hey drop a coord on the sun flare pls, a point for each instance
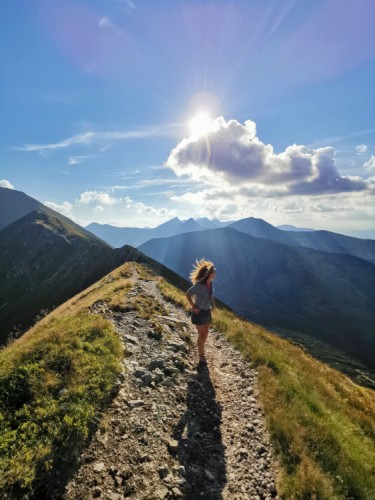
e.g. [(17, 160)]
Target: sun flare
[(201, 124)]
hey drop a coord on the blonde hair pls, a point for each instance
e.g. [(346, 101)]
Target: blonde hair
[(201, 270)]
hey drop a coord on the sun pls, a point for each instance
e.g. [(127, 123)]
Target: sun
[(201, 124)]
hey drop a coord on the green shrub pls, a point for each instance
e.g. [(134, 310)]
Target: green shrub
[(52, 384)]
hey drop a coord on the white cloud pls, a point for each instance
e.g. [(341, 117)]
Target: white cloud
[(65, 208), (97, 197), (106, 23), (88, 138), (361, 149), (6, 184), (233, 155), (128, 3), (341, 138), (98, 201), (85, 138), (72, 161), (370, 164)]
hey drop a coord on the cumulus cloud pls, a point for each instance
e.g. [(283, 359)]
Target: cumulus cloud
[(370, 164), (361, 149), (144, 209), (6, 184), (233, 154), (97, 197), (65, 208), (98, 201)]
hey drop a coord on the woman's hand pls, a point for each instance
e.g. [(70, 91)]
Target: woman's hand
[(195, 309)]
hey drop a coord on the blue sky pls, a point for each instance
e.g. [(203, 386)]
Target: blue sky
[(97, 99)]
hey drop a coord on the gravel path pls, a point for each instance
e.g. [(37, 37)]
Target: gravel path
[(177, 429)]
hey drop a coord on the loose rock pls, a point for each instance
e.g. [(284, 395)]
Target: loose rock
[(176, 429)]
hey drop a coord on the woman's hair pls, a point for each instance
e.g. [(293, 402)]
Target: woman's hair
[(201, 270)]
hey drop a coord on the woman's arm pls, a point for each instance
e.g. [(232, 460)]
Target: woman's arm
[(213, 302), (190, 300)]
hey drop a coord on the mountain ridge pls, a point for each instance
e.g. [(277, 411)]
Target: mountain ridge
[(279, 285), (66, 400), (46, 258)]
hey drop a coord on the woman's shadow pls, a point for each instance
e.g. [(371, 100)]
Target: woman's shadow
[(200, 447)]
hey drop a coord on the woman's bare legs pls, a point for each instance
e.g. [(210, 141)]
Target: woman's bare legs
[(202, 337)]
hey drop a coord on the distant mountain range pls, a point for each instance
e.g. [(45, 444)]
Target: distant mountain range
[(316, 282), (330, 296), (119, 236), (289, 227), (324, 241)]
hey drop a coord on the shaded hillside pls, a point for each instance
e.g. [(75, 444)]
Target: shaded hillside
[(327, 295), (324, 241), (45, 259), (15, 204)]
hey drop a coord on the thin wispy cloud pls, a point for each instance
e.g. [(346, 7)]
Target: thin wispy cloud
[(127, 3), (370, 164), (73, 161), (328, 141), (287, 6), (162, 182), (106, 23), (361, 149), (89, 138)]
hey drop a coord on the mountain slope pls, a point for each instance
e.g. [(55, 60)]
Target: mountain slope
[(326, 295), (45, 259), (118, 236), (14, 205), (324, 241), (161, 432)]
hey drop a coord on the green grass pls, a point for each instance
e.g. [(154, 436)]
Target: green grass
[(53, 383), (322, 425), (56, 379)]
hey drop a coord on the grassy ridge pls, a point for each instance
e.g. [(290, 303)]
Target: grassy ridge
[(55, 379), (53, 382), (322, 425)]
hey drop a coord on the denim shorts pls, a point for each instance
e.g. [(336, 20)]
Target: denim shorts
[(202, 317)]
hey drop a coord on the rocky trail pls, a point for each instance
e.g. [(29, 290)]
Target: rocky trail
[(177, 429)]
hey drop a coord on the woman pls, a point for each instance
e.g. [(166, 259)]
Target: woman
[(201, 299)]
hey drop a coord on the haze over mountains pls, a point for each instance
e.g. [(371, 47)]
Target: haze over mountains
[(119, 236), (329, 296), (315, 282), (325, 241)]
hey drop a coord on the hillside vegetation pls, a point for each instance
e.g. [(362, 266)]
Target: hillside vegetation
[(45, 260), (53, 382), (321, 424), (57, 379), (325, 295)]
